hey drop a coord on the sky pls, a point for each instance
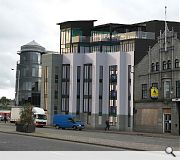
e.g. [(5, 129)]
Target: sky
[(22, 21)]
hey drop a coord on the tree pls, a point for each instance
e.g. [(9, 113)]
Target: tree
[(4, 102), (26, 115), (26, 123)]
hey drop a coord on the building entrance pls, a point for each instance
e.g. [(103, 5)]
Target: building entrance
[(167, 123)]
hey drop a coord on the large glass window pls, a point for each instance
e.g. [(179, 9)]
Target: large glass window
[(65, 88), (65, 40), (178, 89), (100, 36), (100, 107), (167, 87), (78, 89), (55, 94), (176, 63), (157, 66), (35, 57), (144, 91), (65, 105), (113, 90), (168, 64), (100, 89), (164, 65), (152, 67), (87, 88), (55, 110), (35, 86), (27, 86)]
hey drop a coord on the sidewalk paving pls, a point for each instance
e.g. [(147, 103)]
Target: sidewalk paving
[(98, 141)]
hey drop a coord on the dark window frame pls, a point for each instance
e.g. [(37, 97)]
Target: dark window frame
[(144, 91), (169, 64), (176, 63), (164, 65)]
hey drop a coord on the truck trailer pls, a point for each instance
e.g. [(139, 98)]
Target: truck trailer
[(40, 118)]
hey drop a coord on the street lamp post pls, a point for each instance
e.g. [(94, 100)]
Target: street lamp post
[(17, 88), (17, 94)]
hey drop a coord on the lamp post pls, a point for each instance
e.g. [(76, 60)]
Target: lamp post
[(17, 88), (17, 94)]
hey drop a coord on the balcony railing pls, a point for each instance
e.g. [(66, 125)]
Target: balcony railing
[(76, 39), (133, 35)]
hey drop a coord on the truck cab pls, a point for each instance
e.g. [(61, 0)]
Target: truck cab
[(40, 118)]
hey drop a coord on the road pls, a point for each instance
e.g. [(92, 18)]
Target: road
[(13, 142), (127, 140)]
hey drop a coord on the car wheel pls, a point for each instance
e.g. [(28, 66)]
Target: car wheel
[(75, 127), (57, 127)]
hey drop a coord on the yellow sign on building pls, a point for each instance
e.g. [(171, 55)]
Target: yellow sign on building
[(154, 92)]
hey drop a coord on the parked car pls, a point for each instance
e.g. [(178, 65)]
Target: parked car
[(67, 121)]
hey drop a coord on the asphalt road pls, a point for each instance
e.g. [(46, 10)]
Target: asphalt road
[(122, 140), (13, 142)]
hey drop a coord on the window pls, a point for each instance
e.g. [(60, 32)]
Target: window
[(166, 85), (66, 71), (152, 67), (157, 66), (112, 90), (144, 91), (100, 107), (56, 78), (55, 109), (56, 94), (87, 88), (100, 72), (164, 65), (78, 73), (176, 63), (112, 110), (65, 105), (169, 64), (35, 86), (100, 89), (178, 89)]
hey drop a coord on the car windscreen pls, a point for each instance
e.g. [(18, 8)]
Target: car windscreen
[(41, 116)]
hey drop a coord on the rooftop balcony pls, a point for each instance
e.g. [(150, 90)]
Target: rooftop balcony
[(133, 35), (76, 39)]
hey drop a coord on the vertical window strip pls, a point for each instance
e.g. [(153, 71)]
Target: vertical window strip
[(87, 88), (178, 89), (100, 89), (78, 89), (144, 91)]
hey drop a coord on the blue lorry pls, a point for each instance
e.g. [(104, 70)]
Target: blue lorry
[(67, 121)]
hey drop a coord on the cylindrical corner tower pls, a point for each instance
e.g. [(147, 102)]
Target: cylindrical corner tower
[(28, 74)]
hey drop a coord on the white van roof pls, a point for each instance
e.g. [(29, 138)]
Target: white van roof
[(37, 110)]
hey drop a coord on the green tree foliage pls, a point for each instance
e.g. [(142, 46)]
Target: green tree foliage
[(4, 102), (26, 116)]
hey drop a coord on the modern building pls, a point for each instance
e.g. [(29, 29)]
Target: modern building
[(28, 74), (157, 87), (84, 37), (93, 86), (93, 75)]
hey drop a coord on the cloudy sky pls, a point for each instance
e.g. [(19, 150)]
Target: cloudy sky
[(22, 21)]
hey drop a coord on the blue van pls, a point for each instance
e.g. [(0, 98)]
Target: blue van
[(67, 121)]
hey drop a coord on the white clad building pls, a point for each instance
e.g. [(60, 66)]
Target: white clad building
[(93, 86)]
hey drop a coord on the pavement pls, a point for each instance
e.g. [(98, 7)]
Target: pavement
[(84, 137)]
